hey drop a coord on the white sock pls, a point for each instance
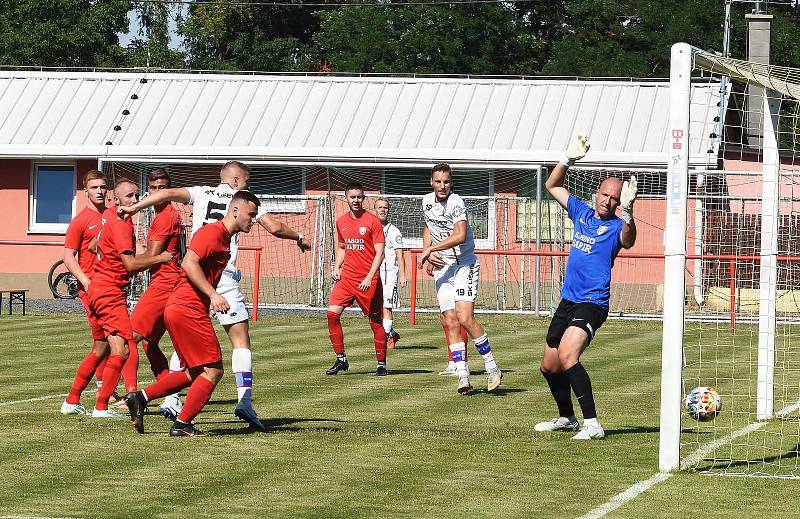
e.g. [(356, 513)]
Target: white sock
[(483, 347), (458, 351), (242, 362), (591, 421), (489, 362), (387, 325)]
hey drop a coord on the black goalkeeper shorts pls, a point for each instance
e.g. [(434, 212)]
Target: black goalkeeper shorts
[(589, 317)]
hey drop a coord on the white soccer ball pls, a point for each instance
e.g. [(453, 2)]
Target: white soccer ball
[(703, 403)]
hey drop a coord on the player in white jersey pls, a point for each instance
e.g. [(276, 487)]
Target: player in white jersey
[(449, 246), (393, 270), (209, 204)]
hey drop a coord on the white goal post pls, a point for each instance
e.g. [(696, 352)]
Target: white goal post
[(755, 365)]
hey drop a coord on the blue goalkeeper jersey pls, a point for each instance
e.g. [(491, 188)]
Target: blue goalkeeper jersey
[(595, 245)]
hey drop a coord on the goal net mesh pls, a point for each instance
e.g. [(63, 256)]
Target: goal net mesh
[(742, 298)]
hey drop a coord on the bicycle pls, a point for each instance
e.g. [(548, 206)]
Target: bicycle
[(62, 283)]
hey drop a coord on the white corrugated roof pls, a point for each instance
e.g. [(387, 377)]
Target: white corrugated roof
[(323, 119)]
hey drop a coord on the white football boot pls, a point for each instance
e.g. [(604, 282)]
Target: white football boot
[(590, 432), (558, 424), (73, 409)]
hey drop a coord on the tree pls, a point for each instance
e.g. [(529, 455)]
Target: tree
[(152, 47), (631, 37), (220, 35), (456, 39), (62, 33)]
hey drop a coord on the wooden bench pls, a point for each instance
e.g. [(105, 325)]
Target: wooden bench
[(15, 296)]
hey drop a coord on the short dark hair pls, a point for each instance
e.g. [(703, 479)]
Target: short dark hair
[(444, 167), (247, 196), (355, 184), (159, 174)]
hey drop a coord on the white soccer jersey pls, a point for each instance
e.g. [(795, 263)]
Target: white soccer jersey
[(440, 218), (209, 205), (394, 241)]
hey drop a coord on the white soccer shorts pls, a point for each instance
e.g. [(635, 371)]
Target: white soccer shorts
[(229, 288), (391, 299), (456, 283)]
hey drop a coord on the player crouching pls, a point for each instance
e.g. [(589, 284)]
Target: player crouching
[(188, 322)]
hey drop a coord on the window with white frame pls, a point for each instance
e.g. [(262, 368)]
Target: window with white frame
[(52, 198)]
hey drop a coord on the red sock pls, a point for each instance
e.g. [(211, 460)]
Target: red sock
[(158, 362), (336, 333), (198, 396), (84, 374), (131, 367), (380, 340), (98, 372), (166, 385), (110, 380)]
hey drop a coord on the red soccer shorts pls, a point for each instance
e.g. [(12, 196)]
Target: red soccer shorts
[(109, 306), (192, 335), (345, 292), (148, 316), (97, 331)]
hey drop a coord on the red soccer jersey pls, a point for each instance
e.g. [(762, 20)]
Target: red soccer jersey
[(167, 227), (80, 233), (359, 236), (212, 243), (116, 239)]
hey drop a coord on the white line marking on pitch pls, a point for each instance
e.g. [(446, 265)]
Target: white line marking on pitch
[(633, 491), (14, 402)]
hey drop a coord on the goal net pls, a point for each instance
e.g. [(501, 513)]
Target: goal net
[(731, 248)]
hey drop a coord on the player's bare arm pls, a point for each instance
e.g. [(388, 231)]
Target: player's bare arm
[(71, 262), (175, 194), (401, 266), (376, 264), (456, 238), (555, 182), (627, 198), (280, 230), (338, 261), (434, 260), (134, 263), (195, 275)]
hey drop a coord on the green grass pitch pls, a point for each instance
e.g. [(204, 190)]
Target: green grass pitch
[(354, 445)]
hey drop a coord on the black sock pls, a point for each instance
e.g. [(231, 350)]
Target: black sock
[(582, 387), (559, 387)]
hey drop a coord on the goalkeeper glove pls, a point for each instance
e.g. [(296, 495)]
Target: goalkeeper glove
[(576, 150), (627, 198)]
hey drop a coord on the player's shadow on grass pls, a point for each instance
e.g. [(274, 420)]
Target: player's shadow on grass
[(500, 391), (391, 372), (275, 425), (638, 429)]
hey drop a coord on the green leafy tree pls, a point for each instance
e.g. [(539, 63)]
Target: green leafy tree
[(152, 46), (631, 37), (219, 35), (457, 39), (62, 33)]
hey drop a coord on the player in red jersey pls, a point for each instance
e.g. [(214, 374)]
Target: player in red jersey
[(80, 261), (359, 253), (188, 322), (116, 263), (147, 320)]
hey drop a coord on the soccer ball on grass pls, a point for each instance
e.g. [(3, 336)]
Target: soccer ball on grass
[(703, 403)]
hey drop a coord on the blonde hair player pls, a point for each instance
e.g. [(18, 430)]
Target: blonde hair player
[(393, 270)]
